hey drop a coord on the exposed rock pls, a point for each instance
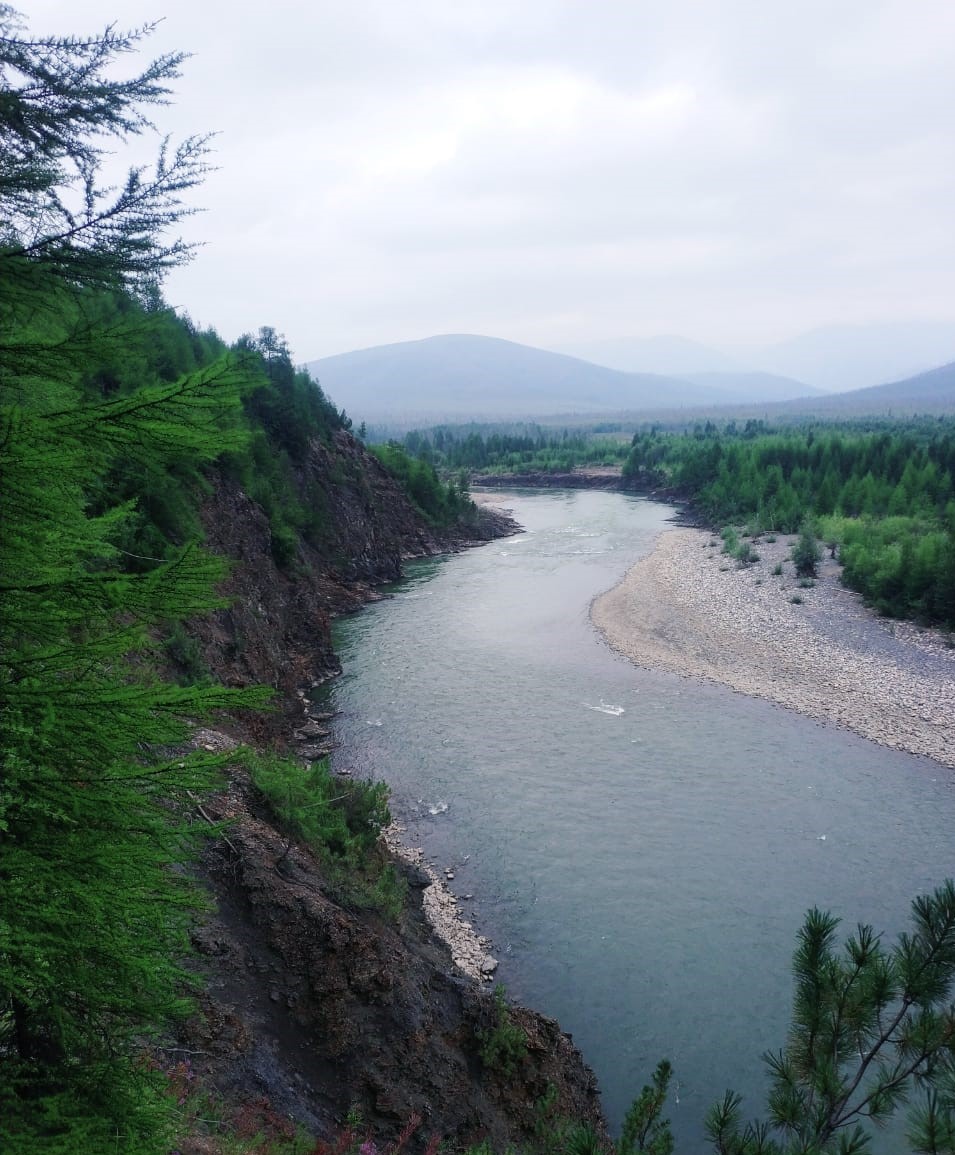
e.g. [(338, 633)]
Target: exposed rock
[(322, 1009), (277, 630)]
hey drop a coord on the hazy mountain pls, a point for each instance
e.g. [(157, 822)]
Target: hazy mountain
[(841, 357), (755, 386), (670, 355), (462, 376), (931, 392)]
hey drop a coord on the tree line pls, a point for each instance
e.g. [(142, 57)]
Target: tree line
[(884, 498), (514, 449)]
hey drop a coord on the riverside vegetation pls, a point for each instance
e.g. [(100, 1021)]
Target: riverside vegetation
[(884, 498), (882, 492), (117, 419)]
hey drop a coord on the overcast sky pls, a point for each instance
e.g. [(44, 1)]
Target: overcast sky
[(734, 171)]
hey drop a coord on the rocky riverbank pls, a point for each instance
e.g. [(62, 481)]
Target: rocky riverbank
[(470, 951), (811, 647)]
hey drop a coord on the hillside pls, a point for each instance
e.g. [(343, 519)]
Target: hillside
[(931, 393), (460, 377), (754, 385)]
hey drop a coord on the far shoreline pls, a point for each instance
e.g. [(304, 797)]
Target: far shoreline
[(688, 609)]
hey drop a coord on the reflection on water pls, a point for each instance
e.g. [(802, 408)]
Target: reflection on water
[(641, 847)]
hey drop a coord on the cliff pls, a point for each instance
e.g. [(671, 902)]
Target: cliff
[(312, 1009), (277, 629)]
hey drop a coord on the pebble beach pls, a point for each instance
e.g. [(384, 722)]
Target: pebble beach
[(689, 609)]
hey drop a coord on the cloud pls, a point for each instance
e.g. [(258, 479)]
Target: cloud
[(553, 171)]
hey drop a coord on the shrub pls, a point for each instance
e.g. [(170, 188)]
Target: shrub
[(340, 821), (730, 540), (185, 654), (778, 569), (503, 1045), (805, 553)]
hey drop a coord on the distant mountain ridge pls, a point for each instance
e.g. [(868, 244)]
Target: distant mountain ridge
[(851, 357), (463, 376), (832, 358), (932, 392)]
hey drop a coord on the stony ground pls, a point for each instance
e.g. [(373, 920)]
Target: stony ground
[(469, 950), (812, 647)]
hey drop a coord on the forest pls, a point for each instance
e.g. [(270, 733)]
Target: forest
[(514, 448), (117, 416), (884, 499), (879, 492)]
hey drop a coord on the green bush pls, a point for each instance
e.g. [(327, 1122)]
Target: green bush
[(186, 655), (340, 821), (730, 540), (745, 554), (805, 553), (503, 1045)]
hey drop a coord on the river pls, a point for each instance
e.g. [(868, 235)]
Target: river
[(641, 848)]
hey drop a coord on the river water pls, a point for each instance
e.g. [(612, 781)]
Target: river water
[(641, 848)]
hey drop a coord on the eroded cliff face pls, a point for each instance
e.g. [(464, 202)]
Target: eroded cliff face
[(277, 629), (310, 1007), (323, 1010)]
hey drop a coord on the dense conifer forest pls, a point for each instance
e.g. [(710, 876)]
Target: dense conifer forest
[(113, 409), (884, 498)]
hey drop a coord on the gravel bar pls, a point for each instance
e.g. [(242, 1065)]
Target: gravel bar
[(689, 609)]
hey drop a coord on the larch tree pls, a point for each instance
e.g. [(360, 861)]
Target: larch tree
[(93, 800)]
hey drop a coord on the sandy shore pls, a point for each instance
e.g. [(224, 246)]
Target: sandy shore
[(687, 608)]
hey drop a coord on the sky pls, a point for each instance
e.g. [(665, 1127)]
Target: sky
[(558, 173)]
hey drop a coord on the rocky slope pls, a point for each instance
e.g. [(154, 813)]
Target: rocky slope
[(312, 1009), (277, 629), (322, 1010)]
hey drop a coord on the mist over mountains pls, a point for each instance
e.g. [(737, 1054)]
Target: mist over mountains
[(460, 377), (833, 358)]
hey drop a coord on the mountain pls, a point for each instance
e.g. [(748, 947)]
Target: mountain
[(754, 386), (930, 392), (461, 376), (842, 357), (670, 355)]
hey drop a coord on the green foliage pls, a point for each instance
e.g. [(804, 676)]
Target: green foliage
[(503, 1044), (883, 497), (185, 654), (440, 503), (94, 905), (805, 553), (745, 554), (741, 551), (340, 821), (870, 1025), (645, 1131), (516, 448)]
